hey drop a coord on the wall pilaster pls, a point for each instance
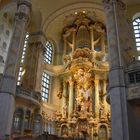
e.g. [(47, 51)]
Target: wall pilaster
[(71, 88)]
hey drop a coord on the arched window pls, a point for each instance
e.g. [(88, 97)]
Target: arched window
[(102, 133), (136, 26), (45, 86), (37, 124), (17, 121), (21, 71), (48, 52)]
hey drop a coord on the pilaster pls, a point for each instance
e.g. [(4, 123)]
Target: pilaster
[(34, 62), (71, 87), (96, 97)]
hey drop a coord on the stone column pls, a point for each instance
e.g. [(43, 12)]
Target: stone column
[(96, 97), (117, 41), (32, 78), (74, 40), (70, 108), (23, 122), (92, 37), (65, 45), (8, 83), (104, 100), (63, 105), (103, 41)]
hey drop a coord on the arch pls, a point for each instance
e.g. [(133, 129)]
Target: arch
[(72, 7), (136, 16), (102, 132), (64, 130)]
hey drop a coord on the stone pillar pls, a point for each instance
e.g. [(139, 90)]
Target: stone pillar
[(32, 78), (96, 97), (70, 108), (8, 83), (117, 41)]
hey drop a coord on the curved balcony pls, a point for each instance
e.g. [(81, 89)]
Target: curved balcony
[(32, 97), (134, 93)]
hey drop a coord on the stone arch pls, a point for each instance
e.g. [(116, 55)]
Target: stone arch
[(136, 15), (71, 7)]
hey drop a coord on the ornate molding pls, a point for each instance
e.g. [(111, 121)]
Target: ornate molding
[(23, 10)]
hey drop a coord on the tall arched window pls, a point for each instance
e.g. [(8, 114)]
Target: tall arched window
[(102, 133), (48, 52), (136, 26), (21, 71)]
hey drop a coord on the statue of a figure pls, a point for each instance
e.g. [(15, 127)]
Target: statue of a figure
[(102, 111), (88, 103), (65, 111)]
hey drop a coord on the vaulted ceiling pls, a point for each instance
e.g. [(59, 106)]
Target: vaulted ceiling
[(55, 14), (51, 16)]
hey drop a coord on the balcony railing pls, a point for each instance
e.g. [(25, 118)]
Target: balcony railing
[(35, 96), (133, 81)]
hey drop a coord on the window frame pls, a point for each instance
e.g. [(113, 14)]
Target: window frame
[(45, 86), (48, 55), (136, 28)]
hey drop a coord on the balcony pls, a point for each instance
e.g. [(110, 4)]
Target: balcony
[(33, 98), (133, 81)]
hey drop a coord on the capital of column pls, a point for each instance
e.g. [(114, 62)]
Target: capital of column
[(71, 82), (38, 37), (73, 29), (96, 81), (91, 27), (120, 3), (23, 10)]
